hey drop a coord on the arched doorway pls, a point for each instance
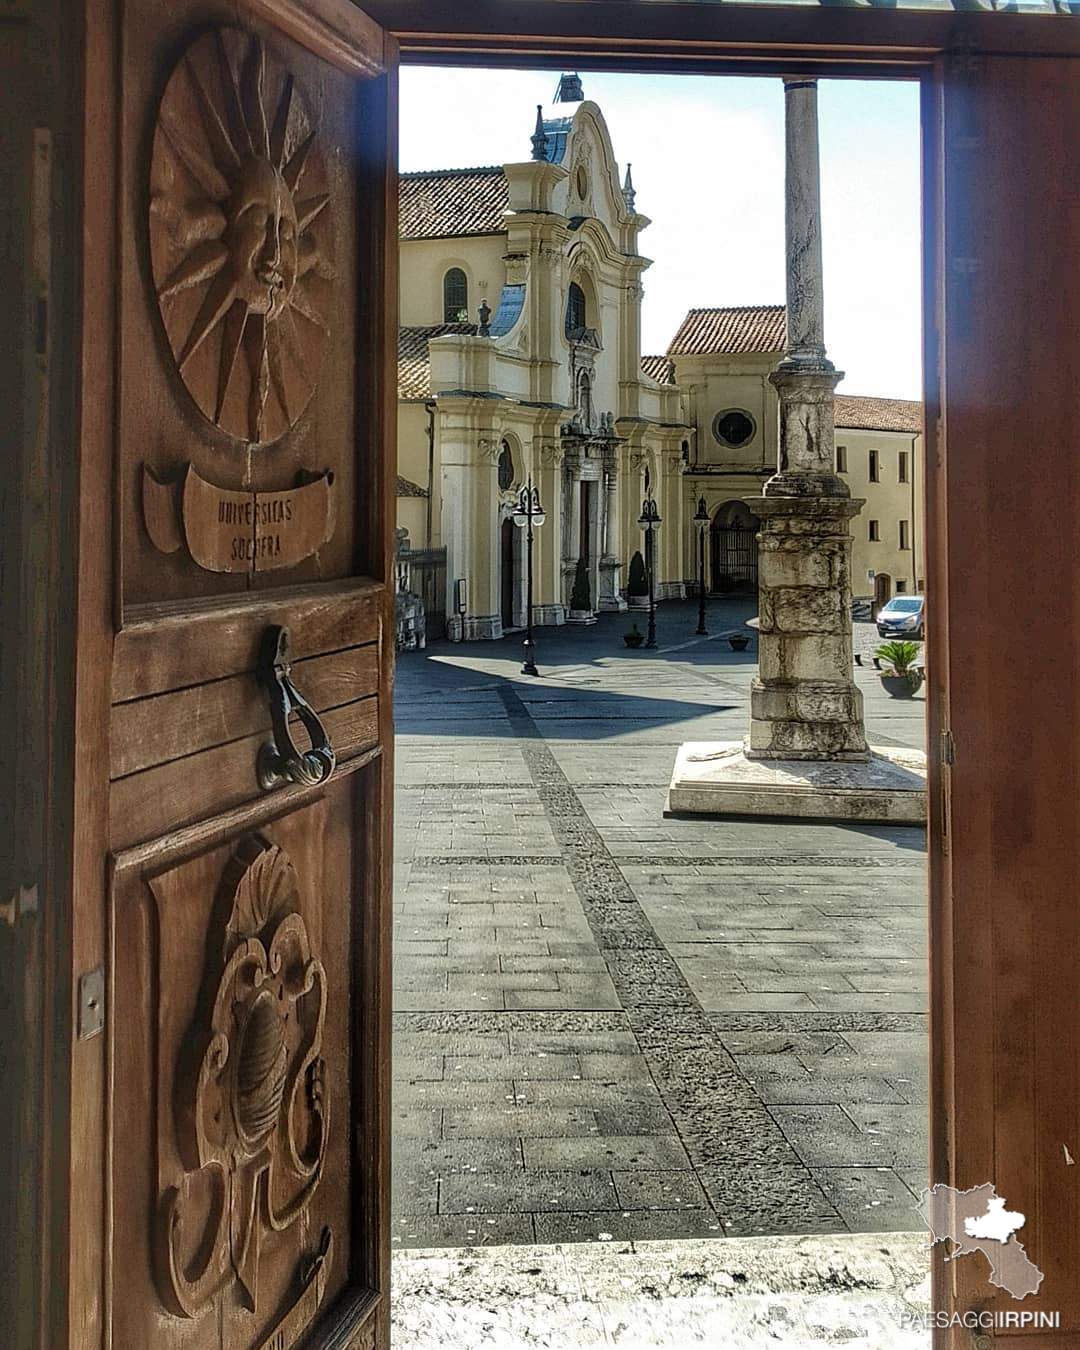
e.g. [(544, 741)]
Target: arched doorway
[(882, 591), (733, 537), (507, 573)]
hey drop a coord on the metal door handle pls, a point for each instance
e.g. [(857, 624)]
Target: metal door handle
[(280, 760)]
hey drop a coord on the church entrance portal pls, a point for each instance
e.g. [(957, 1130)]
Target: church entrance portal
[(734, 549)]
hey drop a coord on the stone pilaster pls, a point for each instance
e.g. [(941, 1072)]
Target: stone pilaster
[(610, 597), (804, 703)]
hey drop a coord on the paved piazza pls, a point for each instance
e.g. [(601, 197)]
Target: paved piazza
[(612, 1025)]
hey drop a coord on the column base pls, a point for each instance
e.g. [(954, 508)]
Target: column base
[(806, 719), (718, 779), (480, 628)]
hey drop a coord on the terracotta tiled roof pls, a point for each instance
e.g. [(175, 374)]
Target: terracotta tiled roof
[(731, 328), (441, 203), (659, 368), (407, 488), (878, 414), (414, 365)]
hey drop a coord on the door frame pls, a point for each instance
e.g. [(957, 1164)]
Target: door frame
[(937, 50), (68, 623)]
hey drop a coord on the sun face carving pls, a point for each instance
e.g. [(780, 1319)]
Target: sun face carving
[(240, 235)]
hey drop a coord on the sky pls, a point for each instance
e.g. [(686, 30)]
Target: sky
[(708, 166)]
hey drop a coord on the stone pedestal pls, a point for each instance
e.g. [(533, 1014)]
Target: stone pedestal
[(804, 703), (610, 596), (886, 787)]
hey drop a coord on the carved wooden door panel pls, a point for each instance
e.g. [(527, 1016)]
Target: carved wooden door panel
[(246, 1030)]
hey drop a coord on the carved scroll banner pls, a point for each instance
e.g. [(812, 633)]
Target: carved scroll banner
[(226, 530)]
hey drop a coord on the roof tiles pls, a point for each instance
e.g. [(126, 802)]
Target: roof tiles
[(442, 203), (414, 363), (856, 412), (730, 328), (659, 368)]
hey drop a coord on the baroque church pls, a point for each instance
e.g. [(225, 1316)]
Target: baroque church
[(520, 364)]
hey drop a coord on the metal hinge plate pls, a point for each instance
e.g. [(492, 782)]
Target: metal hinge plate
[(91, 1003), (948, 748)]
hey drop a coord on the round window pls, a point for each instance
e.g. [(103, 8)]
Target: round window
[(733, 427)]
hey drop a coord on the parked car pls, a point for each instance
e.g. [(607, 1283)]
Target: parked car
[(902, 617)]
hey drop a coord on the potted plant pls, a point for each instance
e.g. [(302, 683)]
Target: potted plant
[(633, 637), (900, 676), (739, 641), (637, 585), (581, 596)]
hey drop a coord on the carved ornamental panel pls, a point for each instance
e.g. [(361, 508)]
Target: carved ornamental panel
[(240, 239), (253, 1113)]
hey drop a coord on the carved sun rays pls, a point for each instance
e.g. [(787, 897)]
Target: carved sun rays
[(237, 250)]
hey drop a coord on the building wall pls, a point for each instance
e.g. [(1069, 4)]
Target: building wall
[(424, 263), (715, 384), (888, 502)]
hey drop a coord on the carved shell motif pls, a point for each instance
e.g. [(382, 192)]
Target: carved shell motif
[(262, 1067)]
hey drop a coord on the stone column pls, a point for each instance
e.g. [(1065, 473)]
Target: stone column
[(804, 703)]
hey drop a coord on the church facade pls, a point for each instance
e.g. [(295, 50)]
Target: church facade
[(520, 365)]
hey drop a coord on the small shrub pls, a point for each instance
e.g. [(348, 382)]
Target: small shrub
[(898, 656), (581, 596)]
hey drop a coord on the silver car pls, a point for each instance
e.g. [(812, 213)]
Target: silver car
[(902, 617)]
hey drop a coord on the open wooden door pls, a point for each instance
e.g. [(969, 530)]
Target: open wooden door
[(229, 1071), (1003, 233)]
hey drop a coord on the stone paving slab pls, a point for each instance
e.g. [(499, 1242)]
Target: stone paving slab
[(612, 1023)]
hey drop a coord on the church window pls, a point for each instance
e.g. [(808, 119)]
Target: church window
[(455, 297), (733, 427), (575, 310)]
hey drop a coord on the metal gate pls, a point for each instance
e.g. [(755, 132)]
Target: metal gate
[(734, 549), (423, 572)]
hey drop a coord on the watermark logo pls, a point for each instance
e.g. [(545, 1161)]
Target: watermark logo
[(977, 1221)]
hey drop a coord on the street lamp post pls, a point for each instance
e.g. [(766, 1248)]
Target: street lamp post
[(701, 520), (527, 514), (649, 520)]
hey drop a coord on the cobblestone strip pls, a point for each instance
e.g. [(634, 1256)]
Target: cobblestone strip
[(746, 1165)]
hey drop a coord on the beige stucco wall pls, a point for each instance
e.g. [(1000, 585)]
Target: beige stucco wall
[(888, 502), (713, 384), (424, 263)]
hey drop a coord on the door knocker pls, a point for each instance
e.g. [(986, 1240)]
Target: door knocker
[(280, 760)]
